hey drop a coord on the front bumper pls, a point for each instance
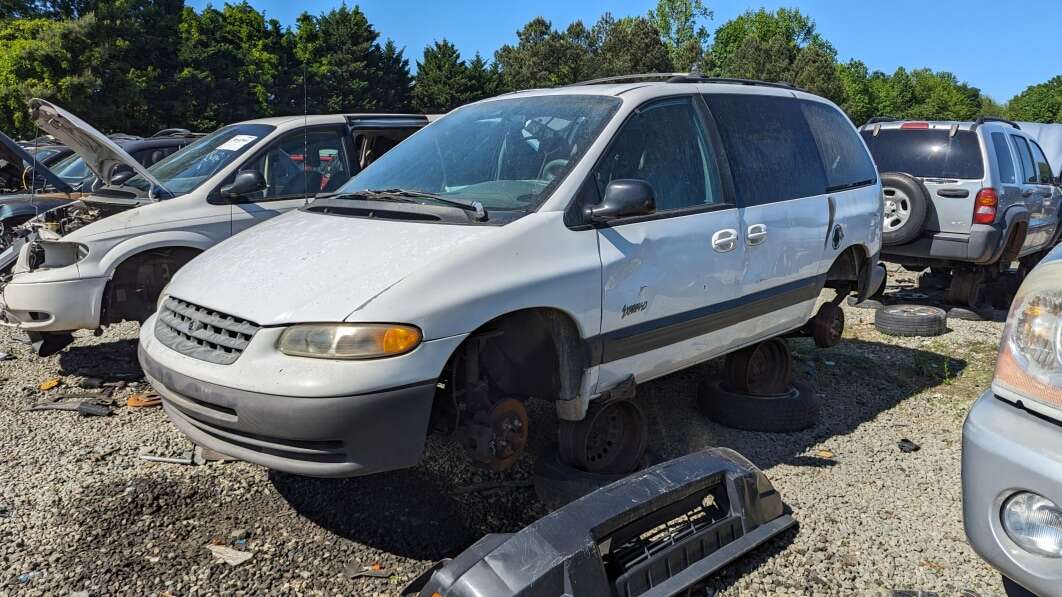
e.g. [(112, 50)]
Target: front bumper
[(1006, 449), (341, 436), (61, 306)]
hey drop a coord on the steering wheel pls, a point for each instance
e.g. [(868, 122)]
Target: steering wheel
[(553, 168)]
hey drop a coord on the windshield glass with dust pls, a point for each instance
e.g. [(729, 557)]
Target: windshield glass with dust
[(506, 154), (183, 171)]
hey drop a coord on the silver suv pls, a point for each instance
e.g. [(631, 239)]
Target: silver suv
[(969, 197)]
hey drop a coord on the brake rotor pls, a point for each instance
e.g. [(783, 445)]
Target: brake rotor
[(508, 435)]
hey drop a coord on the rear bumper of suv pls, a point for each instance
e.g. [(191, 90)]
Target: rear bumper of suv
[(983, 245), (1006, 450), (342, 436)]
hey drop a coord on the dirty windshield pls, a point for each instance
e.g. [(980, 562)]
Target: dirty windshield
[(505, 154), (185, 170), (72, 169), (929, 153)]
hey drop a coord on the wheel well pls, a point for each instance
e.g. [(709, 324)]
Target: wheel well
[(847, 267), (134, 288), (528, 353)]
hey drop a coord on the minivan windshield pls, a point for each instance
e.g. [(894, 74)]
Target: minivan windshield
[(927, 153), (183, 171), (506, 154), (72, 169)]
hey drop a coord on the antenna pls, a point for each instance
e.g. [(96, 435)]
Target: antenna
[(305, 145)]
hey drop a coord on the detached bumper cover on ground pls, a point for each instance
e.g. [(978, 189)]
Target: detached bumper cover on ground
[(1006, 450), (656, 533)]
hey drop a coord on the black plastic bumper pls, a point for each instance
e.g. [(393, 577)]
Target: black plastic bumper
[(657, 532), (340, 436)]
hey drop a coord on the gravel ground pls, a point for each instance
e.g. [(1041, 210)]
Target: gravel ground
[(81, 512)]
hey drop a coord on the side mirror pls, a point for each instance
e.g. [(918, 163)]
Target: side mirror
[(121, 174), (623, 199), (245, 183)]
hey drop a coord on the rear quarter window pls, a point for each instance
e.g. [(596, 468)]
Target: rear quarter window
[(844, 159), (927, 153), (1004, 159), (772, 153)]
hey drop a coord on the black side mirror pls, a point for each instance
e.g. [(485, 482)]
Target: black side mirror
[(623, 199), (245, 183), (120, 174)]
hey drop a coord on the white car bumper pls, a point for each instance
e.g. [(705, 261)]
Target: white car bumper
[(60, 306)]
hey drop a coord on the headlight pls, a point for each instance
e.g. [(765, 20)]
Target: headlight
[(348, 340), (1030, 355), (52, 254), (1034, 523)]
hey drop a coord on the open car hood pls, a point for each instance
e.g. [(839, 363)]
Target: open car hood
[(14, 154), (101, 155)]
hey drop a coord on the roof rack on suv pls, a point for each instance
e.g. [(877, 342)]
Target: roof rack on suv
[(176, 132), (983, 119), (878, 119), (684, 78)]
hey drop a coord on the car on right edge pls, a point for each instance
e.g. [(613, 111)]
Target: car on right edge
[(1012, 443)]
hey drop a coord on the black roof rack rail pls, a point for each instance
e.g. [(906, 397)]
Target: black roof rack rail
[(983, 119), (686, 78), (877, 119), (176, 132)]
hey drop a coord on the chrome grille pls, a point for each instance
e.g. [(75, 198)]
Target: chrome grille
[(202, 333)]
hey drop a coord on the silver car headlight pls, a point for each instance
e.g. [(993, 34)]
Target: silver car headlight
[(348, 341)]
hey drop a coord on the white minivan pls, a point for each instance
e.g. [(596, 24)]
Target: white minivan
[(105, 258), (561, 245)]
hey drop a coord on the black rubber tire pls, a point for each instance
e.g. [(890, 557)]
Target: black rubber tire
[(557, 484), (965, 314), (1013, 589), (741, 367), (911, 320), (919, 203), (867, 304), (794, 410), (577, 439), (827, 326)]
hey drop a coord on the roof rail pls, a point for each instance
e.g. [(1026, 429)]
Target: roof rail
[(983, 119), (877, 119), (174, 132), (685, 78)]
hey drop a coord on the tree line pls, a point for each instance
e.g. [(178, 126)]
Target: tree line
[(141, 65)]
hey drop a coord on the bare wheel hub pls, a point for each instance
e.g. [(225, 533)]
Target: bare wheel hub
[(498, 437)]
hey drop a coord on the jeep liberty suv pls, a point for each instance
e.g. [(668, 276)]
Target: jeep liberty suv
[(964, 197), (559, 244)]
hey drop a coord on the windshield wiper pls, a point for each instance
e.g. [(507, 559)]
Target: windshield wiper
[(473, 206), (365, 195)]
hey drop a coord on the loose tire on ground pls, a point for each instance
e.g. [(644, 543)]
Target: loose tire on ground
[(965, 314), (906, 202), (867, 304), (610, 439), (794, 410), (557, 484), (764, 368), (910, 320)]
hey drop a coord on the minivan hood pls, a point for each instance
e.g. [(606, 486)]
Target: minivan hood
[(101, 154), (13, 153), (312, 267)]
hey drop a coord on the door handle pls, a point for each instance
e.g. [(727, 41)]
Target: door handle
[(1027, 193), (724, 240), (757, 234)]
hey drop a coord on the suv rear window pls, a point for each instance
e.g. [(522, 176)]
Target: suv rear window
[(927, 153), (772, 154)]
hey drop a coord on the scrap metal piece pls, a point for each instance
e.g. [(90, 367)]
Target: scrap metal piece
[(654, 533)]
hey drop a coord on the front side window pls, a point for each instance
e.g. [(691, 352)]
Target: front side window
[(844, 159), (927, 153), (1029, 174), (183, 171), (664, 144), (1006, 163), (301, 164), (508, 154), (772, 153), (1043, 169)]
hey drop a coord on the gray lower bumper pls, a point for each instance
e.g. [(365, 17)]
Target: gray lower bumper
[(983, 245), (341, 436), (1005, 450)]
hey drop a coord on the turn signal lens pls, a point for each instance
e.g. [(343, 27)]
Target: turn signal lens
[(348, 340), (985, 206)]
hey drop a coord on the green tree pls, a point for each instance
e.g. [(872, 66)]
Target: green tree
[(783, 33), (1038, 103), (342, 58), (392, 91), (483, 80), (681, 27), (545, 57), (630, 45), (442, 78), (815, 69), (858, 101)]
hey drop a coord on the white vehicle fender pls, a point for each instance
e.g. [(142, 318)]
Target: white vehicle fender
[(158, 240)]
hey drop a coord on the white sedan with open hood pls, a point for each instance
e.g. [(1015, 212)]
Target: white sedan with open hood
[(105, 258)]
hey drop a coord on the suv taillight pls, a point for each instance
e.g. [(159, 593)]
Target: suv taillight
[(985, 206), (915, 125)]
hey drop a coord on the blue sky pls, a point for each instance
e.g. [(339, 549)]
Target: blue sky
[(997, 46)]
